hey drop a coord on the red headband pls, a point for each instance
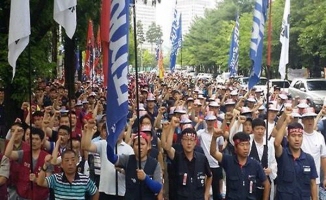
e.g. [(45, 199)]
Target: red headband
[(238, 141), (295, 130), (190, 134)]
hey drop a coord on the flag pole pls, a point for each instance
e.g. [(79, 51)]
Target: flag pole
[(269, 52), (30, 113), (137, 89)]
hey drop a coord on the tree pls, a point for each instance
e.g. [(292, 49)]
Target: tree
[(149, 60), (154, 34), (140, 33)]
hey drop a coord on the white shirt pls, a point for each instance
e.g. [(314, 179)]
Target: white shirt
[(107, 178), (314, 144), (270, 127), (205, 142)]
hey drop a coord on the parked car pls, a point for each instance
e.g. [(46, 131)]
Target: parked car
[(261, 85), (282, 84), (312, 89)]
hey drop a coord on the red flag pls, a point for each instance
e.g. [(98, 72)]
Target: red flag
[(89, 61), (98, 49), (105, 29)]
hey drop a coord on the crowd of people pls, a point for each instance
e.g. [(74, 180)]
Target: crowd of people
[(184, 138)]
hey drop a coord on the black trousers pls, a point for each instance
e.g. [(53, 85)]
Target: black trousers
[(217, 176), (104, 196)]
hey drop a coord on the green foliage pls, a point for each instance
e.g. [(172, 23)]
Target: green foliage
[(140, 33), (207, 43), (149, 60), (154, 34)]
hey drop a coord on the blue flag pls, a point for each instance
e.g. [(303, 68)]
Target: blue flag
[(176, 38), (117, 88), (77, 66), (157, 51), (257, 39), (234, 50)]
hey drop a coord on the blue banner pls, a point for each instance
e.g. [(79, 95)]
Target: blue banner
[(176, 38), (257, 39), (234, 50), (77, 66), (117, 88)]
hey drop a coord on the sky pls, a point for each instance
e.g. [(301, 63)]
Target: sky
[(164, 18)]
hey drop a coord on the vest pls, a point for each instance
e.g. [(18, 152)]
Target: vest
[(132, 182), (190, 187), (24, 185), (3, 188), (238, 183), (254, 154), (15, 167), (290, 182)]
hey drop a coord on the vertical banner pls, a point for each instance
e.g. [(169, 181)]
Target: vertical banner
[(234, 50), (19, 31), (257, 40), (89, 64), (160, 64), (285, 39), (117, 87), (105, 24), (176, 38)]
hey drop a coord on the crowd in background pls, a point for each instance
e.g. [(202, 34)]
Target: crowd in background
[(184, 138)]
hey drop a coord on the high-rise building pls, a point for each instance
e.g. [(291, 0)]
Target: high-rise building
[(191, 9), (146, 13)]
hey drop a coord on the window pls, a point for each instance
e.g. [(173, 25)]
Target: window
[(316, 85)]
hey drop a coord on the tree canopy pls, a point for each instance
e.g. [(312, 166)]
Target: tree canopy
[(207, 43)]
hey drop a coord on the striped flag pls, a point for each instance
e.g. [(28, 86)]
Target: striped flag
[(257, 39), (89, 62), (285, 40), (117, 86), (64, 13), (234, 50), (176, 38), (19, 31)]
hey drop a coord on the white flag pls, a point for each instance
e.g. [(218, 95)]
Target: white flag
[(19, 31), (64, 13), (285, 39)]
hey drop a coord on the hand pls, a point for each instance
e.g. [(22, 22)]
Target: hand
[(324, 183), (165, 125), (18, 120), (162, 110), (90, 125), (217, 132), (323, 111), (47, 159), (120, 170), (288, 111), (24, 105), (32, 177), (175, 122), (48, 109), (267, 171), (228, 115), (141, 174), (242, 119)]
